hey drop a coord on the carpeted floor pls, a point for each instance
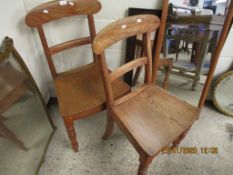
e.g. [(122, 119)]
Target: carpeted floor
[(117, 156)]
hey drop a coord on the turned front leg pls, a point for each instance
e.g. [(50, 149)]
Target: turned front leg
[(144, 164), (69, 123)]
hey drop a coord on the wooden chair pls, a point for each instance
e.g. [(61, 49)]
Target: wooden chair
[(150, 117), (13, 86), (80, 92), (142, 114)]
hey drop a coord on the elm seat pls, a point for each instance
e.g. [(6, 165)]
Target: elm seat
[(154, 118), (83, 90)]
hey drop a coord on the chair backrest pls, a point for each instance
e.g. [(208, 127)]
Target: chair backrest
[(55, 10), (122, 29)]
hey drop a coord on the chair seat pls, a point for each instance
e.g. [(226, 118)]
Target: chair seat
[(83, 90), (154, 118)]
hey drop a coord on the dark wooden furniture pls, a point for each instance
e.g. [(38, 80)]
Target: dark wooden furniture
[(134, 49), (24, 119), (80, 92), (143, 114), (13, 86), (209, 25)]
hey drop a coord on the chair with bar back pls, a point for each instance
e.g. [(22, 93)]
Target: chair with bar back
[(150, 117), (80, 91)]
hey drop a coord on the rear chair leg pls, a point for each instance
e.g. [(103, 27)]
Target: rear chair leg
[(69, 123), (109, 125), (144, 164)]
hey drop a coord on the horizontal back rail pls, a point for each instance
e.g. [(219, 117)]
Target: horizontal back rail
[(127, 67), (70, 44), (130, 95)]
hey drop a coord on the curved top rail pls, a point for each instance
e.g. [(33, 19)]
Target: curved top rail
[(58, 9), (124, 28)]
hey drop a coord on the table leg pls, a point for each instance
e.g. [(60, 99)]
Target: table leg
[(202, 54), (165, 45)]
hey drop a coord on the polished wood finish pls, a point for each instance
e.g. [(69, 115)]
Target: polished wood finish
[(47, 51), (80, 91), (87, 92), (123, 29), (54, 10), (132, 44), (129, 66), (70, 44), (159, 40), (151, 124), (142, 114)]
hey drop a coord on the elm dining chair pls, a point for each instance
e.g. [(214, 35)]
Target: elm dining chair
[(80, 91), (150, 117)]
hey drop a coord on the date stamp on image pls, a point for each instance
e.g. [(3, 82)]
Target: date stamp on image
[(190, 150)]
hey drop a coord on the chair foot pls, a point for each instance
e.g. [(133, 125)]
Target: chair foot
[(69, 123), (109, 126), (144, 164)]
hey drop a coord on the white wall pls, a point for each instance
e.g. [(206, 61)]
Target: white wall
[(12, 25)]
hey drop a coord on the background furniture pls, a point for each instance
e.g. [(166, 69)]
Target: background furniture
[(165, 65), (13, 86), (134, 49), (209, 25), (25, 126), (80, 92)]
